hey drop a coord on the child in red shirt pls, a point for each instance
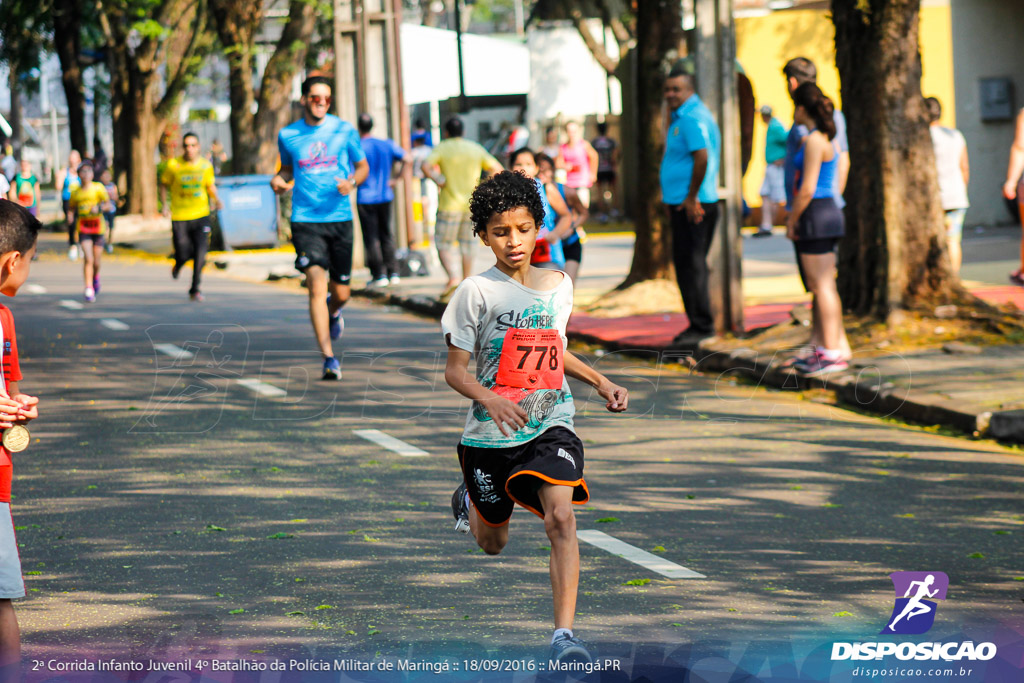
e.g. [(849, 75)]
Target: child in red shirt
[(18, 232)]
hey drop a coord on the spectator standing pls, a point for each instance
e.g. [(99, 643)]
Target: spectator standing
[(607, 162), (798, 71), (217, 156), (689, 188), (1013, 188), (773, 189), (99, 158), (455, 166), (374, 199), (954, 172), (815, 225)]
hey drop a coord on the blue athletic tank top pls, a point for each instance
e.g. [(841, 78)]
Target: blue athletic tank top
[(549, 225), (65, 192), (575, 236), (826, 177)]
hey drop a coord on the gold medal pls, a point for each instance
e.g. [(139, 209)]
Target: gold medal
[(16, 438)]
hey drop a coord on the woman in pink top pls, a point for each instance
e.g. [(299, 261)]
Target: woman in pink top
[(580, 161)]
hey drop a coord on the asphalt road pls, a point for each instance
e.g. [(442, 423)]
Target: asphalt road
[(161, 496)]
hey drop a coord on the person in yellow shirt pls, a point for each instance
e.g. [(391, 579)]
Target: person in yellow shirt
[(189, 180), (461, 163), (89, 201)]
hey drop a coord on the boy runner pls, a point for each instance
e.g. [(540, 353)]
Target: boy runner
[(323, 155), (89, 201), (18, 233), (26, 188), (519, 445), (189, 180)]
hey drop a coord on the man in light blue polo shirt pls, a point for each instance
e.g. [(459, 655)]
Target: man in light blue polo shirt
[(689, 187)]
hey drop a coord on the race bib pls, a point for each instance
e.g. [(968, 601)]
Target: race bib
[(541, 252), (90, 225), (531, 359)]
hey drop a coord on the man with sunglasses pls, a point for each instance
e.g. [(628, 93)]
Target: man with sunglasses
[(324, 157)]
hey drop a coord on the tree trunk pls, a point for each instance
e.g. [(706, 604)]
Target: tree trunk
[(894, 254), (254, 136), (276, 88), (67, 22), (17, 135), (658, 37)]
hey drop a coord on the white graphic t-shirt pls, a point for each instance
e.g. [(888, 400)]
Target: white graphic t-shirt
[(518, 337)]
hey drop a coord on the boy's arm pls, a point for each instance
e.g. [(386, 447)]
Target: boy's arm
[(502, 411), (617, 397), (17, 408)]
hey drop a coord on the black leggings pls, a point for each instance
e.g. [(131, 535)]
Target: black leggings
[(191, 242)]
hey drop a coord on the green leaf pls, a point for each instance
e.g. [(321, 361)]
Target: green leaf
[(676, 624), (607, 520), (690, 496), (296, 613), (299, 580), (370, 539), (319, 607), (733, 609), (796, 487), (658, 549), (372, 632), (1018, 578), (976, 556), (281, 534), (350, 633), (1001, 532), (214, 527), (33, 573), (844, 613), (637, 582), (909, 515), (237, 611), (218, 594), (831, 505), (297, 521)]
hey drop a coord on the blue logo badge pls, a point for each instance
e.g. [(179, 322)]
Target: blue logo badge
[(916, 592)]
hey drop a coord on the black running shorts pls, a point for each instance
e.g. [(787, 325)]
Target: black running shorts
[(498, 478), (328, 245)]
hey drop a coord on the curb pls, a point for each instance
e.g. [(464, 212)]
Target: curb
[(870, 393)]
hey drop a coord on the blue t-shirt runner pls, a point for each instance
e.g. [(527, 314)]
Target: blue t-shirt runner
[(381, 154), (320, 156)]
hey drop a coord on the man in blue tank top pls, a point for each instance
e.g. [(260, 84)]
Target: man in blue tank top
[(323, 156)]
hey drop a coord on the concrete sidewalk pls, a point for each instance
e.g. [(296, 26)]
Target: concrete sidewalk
[(977, 393)]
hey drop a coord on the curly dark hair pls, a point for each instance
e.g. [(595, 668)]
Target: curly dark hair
[(503, 192)]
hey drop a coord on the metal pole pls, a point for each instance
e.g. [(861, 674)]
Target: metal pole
[(458, 49)]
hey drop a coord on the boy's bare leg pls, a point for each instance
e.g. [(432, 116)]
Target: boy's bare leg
[(491, 539), (560, 525), (10, 640)]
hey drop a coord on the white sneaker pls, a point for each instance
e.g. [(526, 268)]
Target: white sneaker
[(73, 252), (395, 280), (379, 282)]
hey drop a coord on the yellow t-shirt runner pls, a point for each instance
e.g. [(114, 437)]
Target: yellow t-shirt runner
[(187, 182), (88, 204)]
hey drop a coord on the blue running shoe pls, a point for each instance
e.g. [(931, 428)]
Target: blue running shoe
[(337, 322), (332, 369)]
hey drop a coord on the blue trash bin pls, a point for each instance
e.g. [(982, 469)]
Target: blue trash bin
[(249, 216)]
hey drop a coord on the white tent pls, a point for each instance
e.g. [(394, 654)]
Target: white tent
[(491, 66)]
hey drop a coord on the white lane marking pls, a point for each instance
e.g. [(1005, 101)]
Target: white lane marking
[(174, 351), (643, 558), (262, 387), (113, 324), (33, 288), (71, 304), (391, 443)]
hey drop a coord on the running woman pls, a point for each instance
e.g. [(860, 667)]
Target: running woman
[(25, 188), (519, 444), (322, 154), (580, 161), (189, 181), (89, 201), (68, 181), (557, 217)]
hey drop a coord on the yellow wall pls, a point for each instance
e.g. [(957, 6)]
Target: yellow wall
[(764, 45)]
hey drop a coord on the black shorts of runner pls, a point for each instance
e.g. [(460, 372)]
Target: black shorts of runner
[(89, 240), (498, 478), (606, 176), (824, 245), (573, 252), (328, 245)]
